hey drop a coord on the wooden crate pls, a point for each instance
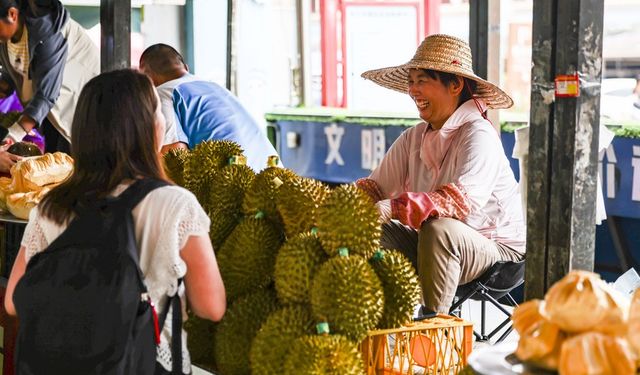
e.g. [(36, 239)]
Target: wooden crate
[(439, 345)]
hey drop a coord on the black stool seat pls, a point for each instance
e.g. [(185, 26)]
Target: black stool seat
[(494, 284)]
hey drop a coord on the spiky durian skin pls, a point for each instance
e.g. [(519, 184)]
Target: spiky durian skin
[(400, 285), (297, 202), (347, 294), (274, 339), (229, 187), (347, 218), (323, 355), (207, 158), (174, 164), (200, 341), (238, 328), (296, 263), (225, 200), (247, 257), (261, 196), (222, 225)]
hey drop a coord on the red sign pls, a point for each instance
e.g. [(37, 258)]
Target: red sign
[(567, 86)]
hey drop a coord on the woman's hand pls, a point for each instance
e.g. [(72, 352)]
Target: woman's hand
[(7, 160)]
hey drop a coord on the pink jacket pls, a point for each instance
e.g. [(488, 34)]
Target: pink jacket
[(459, 171)]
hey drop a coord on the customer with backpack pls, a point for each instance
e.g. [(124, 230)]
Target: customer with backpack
[(83, 240)]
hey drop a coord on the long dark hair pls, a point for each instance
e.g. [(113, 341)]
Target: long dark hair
[(113, 139)]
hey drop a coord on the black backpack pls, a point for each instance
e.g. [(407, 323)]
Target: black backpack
[(82, 304)]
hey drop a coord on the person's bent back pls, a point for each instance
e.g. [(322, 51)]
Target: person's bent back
[(198, 110), (212, 112)]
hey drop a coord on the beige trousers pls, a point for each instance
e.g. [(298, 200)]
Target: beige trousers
[(446, 253)]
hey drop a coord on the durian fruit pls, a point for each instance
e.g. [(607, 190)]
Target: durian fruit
[(582, 291), (225, 199), (348, 219), (238, 328), (200, 341), (207, 158), (222, 225), (323, 355), (400, 284), (247, 257), (596, 353), (261, 196), (297, 201), (276, 336), (296, 264), (174, 164), (230, 184), (347, 294)]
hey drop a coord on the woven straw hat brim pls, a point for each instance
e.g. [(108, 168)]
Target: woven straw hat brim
[(396, 78)]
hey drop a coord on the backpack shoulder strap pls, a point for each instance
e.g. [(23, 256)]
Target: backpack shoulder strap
[(138, 190), (174, 304)]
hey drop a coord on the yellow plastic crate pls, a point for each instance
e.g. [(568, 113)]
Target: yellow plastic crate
[(439, 345)]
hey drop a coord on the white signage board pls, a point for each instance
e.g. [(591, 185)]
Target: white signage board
[(378, 36)]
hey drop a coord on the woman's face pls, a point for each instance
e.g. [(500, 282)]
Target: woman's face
[(9, 25), (160, 122), (435, 101)]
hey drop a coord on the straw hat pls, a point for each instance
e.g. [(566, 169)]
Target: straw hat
[(443, 53)]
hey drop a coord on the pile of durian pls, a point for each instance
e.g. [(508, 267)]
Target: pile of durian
[(583, 326), (304, 275)]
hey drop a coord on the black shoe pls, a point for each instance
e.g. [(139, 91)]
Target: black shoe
[(424, 313)]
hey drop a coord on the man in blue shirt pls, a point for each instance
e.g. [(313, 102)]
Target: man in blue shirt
[(198, 110)]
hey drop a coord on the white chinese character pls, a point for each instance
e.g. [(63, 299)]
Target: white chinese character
[(372, 143), (334, 138), (378, 147), (365, 148)]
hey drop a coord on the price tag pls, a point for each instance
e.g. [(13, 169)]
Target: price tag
[(567, 86)]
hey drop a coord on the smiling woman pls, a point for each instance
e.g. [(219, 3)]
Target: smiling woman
[(439, 86), (445, 188)]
